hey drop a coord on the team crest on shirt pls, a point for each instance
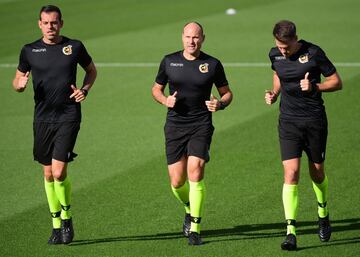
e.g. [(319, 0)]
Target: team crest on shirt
[(304, 58), (204, 68), (67, 50)]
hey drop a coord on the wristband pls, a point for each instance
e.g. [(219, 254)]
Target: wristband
[(84, 91), (315, 87), (222, 105)]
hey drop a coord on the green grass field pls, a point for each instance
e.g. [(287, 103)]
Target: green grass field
[(122, 202)]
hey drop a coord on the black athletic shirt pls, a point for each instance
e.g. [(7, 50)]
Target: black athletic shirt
[(53, 69), (193, 81), (296, 104)]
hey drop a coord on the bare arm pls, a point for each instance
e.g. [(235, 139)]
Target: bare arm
[(225, 99), (276, 84), (158, 93), (331, 83), (159, 96), (226, 95), (90, 76), (89, 79), (271, 95), (20, 81)]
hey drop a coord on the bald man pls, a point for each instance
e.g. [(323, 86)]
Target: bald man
[(190, 74)]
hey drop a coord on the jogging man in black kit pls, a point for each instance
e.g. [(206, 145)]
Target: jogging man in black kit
[(53, 61), (298, 66), (188, 129)]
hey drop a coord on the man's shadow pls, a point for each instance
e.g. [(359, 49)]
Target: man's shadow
[(258, 231), (243, 232)]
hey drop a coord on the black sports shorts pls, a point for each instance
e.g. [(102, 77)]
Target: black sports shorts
[(55, 141), (297, 136), (188, 141)]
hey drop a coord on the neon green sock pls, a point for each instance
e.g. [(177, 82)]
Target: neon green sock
[(196, 196), (290, 201), (54, 204), (182, 194), (321, 192), (63, 192)]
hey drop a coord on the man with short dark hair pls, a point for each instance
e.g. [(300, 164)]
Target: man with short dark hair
[(298, 66), (53, 61), (188, 129)]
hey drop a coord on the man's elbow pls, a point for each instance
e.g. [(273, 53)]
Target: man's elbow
[(154, 91), (336, 85), (93, 72), (339, 85)]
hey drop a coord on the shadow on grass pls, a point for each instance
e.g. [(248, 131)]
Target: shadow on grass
[(244, 232)]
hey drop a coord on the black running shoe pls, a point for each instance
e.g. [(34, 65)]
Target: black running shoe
[(187, 225), (67, 231), (289, 243), (324, 229), (195, 239), (55, 237)]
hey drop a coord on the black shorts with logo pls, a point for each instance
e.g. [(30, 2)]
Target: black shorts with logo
[(55, 141), (188, 141), (303, 135)]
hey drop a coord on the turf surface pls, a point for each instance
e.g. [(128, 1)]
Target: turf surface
[(122, 203)]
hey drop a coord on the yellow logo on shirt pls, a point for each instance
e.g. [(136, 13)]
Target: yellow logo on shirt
[(67, 50), (204, 68), (304, 58)]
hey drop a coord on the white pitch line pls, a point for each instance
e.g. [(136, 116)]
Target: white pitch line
[(153, 64), (7, 65), (127, 64)]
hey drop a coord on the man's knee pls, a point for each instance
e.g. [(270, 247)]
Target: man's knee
[(48, 173), (58, 170), (291, 171), (196, 167), (317, 172)]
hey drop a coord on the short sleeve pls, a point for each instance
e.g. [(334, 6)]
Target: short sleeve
[(24, 65), (220, 77), (271, 57), (162, 77), (325, 65), (84, 58)]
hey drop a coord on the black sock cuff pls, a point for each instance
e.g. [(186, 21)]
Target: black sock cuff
[(291, 222), (322, 205), (55, 214), (195, 219), (65, 208)]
